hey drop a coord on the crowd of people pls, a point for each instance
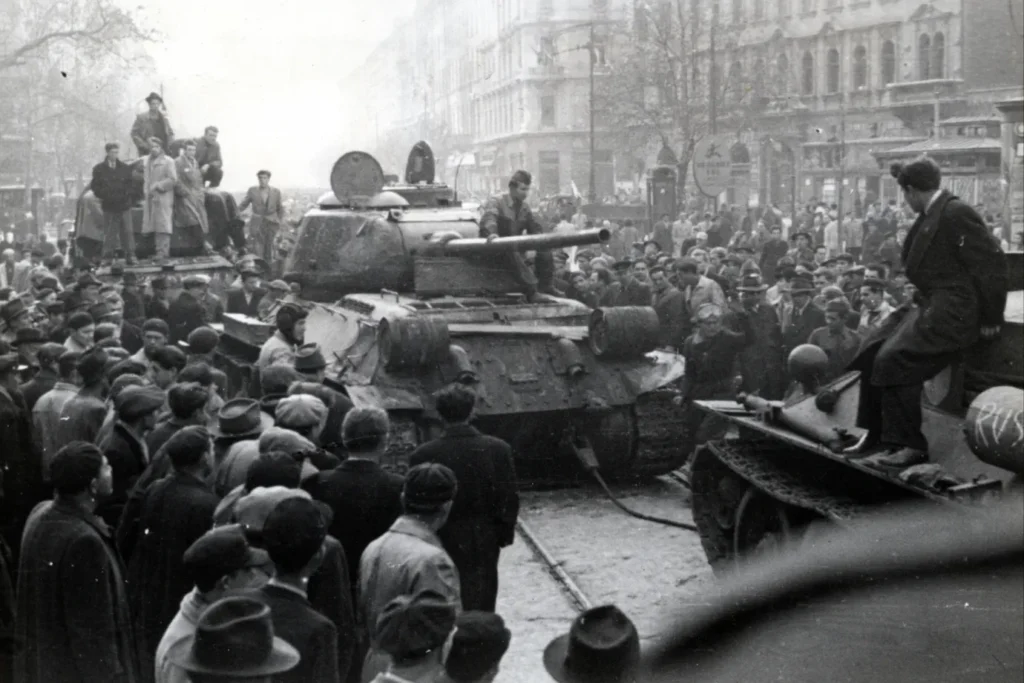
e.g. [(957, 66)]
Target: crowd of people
[(155, 528)]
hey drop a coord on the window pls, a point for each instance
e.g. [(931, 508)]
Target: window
[(860, 67), (547, 110), (758, 78), (549, 172), (782, 69), (758, 9), (807, 74), (938, 69), (888, 62), (640, 25), (600, 54), (735, 85), (546, 51), (737, 11), (785, 8), (924, 56), (832, 77)]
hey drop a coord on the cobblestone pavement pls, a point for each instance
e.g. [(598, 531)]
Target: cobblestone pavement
[(650, 571)]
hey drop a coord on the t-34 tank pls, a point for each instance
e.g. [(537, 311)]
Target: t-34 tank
[(785, 470), (404, 298)]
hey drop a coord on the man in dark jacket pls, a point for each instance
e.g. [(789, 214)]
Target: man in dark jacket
[(483, 516), (134, 308), (761, 363), (82, 416), (157, 529), (208, 156), (670, 305), (365, 499), (246, 300), (960, 274), (803, 318), (112, 185), (136, 408), (20, 470), (187, 312), (73, 618), (46, 378), (293, 536)]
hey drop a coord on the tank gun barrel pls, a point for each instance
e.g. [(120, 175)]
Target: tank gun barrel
[(480, 245)]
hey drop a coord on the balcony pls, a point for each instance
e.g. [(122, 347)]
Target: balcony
[(923, 92)]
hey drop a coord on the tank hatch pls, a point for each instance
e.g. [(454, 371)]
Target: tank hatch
[(355, 178)]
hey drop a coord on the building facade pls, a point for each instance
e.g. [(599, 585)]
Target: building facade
[(493, 86)]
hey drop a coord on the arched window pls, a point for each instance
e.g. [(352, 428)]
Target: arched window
[(860, 67), (833, 71), (938, 69), (924, 56), (888, 62), (782, 72), (807, 74), (759, 76)]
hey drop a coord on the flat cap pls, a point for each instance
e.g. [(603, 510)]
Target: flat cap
[(284, 440), (252, 510), (874, 282), (79, 320), (186, 398), (278, 286), (156, 325), (837, 306), (195, 280), (308, 358), (220, 551), (413, 625), (300, 411), (429, 486), (135, 402), (92, 363)]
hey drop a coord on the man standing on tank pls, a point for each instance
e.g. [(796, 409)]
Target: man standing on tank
[(507, 215), (960, 274)]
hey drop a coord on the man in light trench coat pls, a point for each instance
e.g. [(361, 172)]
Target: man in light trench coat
[(158, 214)]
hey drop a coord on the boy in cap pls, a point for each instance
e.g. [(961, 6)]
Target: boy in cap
[(479, 642), (412, 630), (214, 564), (836, 339), (409, 556), (82, 327), (45, 378)]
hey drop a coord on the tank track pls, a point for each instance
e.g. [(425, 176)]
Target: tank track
[(752, 461), (658, 448)]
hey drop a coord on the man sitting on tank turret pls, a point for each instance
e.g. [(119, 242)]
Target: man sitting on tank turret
[(507, 215), (960, 274)]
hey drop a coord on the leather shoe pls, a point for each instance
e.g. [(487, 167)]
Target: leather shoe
[(899, 459)]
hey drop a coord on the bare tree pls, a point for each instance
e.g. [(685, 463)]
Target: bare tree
[(666, 86)]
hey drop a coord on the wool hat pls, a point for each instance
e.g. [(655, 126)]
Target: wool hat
[(202, 340), (136, 402), (428, 487), (413, 625)]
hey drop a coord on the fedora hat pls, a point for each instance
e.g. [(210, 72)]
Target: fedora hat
[(802, 233), (602, 646), (240, 418), (234, 638), (752, 282), (154, 96), (29, 335), (13, 309), (801, 284)]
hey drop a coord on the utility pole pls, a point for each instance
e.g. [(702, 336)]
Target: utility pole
[(713, 75), (840, 192), (592, 50)]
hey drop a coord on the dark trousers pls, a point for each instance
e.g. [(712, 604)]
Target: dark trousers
[(118, 234), (213, 176), (892, 415)]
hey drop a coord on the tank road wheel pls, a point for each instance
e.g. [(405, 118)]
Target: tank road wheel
[(613, 436), (762, 528), (716, 494), (738, 522)]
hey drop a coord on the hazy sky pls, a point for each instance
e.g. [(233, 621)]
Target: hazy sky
[(267, 75)]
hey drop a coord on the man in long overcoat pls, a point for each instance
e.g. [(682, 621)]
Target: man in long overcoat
[(158, 212), (189, 198), (960, 275), (20, 471), (187, 312), (761, 363), (483, 516), (267, 216), (72, 617), (155, 531)]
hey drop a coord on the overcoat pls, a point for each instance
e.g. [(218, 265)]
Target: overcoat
[(189, 198), (762, 364), (153, 535), (128, 458), (185, 314), (158, 209), (960, 274), (484, 512), (20, 472), (670, 305), (73, 615)]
